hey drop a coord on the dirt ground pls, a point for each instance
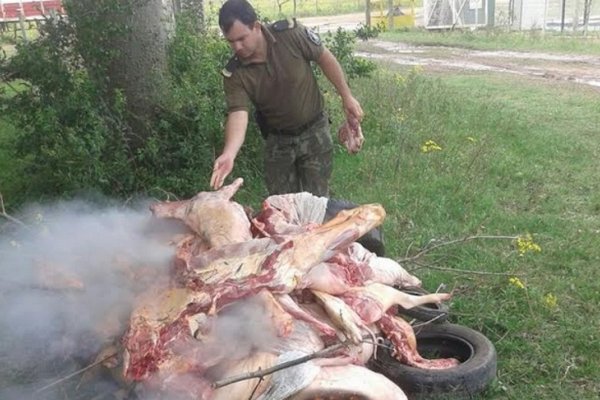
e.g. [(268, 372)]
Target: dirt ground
[(579, 70)]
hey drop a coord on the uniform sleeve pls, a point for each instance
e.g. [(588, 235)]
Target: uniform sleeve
[(307, 41), (235, 96)]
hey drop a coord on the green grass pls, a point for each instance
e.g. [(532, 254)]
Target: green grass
[(515, 159), (499, 39)]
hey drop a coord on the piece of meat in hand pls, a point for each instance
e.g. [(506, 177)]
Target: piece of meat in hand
[(350, 135)]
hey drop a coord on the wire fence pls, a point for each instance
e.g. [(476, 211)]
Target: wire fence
[(560, 15)]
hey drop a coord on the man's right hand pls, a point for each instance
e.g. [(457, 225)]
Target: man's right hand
[(222, 168)]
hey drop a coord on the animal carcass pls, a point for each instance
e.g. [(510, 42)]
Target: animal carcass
[(249, 292)]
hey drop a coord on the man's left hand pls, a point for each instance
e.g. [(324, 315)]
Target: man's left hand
[(352, 108)]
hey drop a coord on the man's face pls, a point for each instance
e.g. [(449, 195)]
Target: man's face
[(243, 39)]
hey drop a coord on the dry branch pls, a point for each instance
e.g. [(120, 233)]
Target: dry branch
[(260, 373), (4, 214), (429, 248), (78, 372)]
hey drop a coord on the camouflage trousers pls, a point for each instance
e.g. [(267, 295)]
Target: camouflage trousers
[(301, 163)]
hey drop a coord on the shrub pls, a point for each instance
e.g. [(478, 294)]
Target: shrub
[(72, 136)]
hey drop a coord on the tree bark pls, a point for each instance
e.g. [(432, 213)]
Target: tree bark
[(586, 15), (125, 43)]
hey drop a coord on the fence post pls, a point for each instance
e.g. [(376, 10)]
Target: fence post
[(576, 16), (390, 14), (562, 17), (22, 21), (368, 12)]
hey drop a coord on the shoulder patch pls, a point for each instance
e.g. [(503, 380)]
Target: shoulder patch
[(284, 24), (230, 67), (313, 36)]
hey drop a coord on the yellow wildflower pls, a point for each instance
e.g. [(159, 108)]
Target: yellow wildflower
[(430, 146), (400, 116), (550, 300), (400, 79), (525, 243), (417, 69), (471, 139), (516, 282)]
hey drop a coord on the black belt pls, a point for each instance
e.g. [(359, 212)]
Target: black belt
[(297, 131)]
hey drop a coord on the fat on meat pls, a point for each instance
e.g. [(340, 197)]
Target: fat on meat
[(288, 214), (159, 320), (355, 266), (292, 214), (342, 316), (381, 269), (371, 302), (246, 388), (314, 284), (350, 381), (211, 215)]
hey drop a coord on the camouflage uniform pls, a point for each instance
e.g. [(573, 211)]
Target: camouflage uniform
[(287, 99)]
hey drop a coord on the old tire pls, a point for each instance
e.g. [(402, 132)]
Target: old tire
[(475, 352), (431, 312)]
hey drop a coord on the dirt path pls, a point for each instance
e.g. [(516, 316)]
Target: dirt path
[(552, 68)]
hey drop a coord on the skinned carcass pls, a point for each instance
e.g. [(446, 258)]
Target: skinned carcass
[(211, 215), (308, 285)]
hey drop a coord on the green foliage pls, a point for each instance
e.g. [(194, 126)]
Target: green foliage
[(66, 135), (341, 43), (70, 130), (366, 32)]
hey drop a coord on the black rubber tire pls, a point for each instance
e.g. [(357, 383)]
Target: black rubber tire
[(431, 312), (372, 240), (475, 352)]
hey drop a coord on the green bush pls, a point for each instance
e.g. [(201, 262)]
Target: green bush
[(341, 43), (67, 136), (72, 136)]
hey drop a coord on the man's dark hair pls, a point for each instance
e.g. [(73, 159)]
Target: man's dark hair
[(233, 10)]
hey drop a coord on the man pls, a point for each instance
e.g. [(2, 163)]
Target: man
[(271, 69)]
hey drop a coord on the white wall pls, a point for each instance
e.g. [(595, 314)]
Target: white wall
[(531, 14)]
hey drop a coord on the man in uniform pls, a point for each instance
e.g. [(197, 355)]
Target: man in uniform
[(271, 69)]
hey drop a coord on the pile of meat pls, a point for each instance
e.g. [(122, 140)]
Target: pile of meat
[(249, 293)]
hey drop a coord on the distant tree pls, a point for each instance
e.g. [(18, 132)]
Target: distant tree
[(587, 7), (280, 4)]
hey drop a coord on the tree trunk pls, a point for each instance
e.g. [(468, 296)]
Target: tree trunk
[(124, 43), (586, 15), (576, 16)]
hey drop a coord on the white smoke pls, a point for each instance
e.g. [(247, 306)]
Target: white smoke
[(67, 281)]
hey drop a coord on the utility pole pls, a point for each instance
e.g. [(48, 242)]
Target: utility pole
[(562, 17)]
